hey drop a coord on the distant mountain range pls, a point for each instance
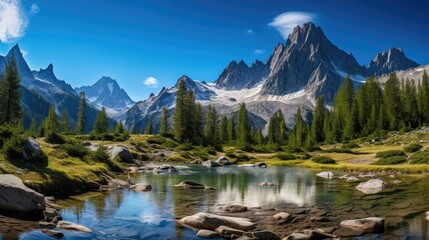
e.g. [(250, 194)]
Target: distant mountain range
[(308, 65)]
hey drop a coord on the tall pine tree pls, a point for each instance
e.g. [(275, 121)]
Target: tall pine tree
[(81, 118), (163, 128), (10, 94), (101, 124)]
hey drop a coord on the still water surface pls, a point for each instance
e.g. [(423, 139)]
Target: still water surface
[(124, 214)]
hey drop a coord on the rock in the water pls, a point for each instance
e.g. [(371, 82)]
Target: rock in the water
[(140, 187), (261, 164), (31, 145), (223, 161), (190, 184), (371, 186), (45, 224), (212, 221), (236, 208), (210, 164), (52, 233), (298, 236), (50, 214), (72, 226), (224, 230), (203, 233), (16, 197), (284, 216), (327, 175), (367, 225), (261, 235), (352, 179), (123, 153), (266, 184), (247, 165), (118, 183)]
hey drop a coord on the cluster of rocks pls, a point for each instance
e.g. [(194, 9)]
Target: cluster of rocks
[(372, 186), (193, 185), (209, 225), (221, 161)]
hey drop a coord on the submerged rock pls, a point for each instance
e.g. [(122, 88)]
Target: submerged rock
[(190, 184), (141, 187), (261, 164), (327, 175), (210, 221), (261, 235), (266, 184), (208, 234), (367, 225), (224, 230), (53, 233), (236, 208), (371, 186), (352, 179), (246, 165), (72, 226), (16, 197)]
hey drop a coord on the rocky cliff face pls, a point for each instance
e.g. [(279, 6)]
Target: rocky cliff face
[(392, 60)]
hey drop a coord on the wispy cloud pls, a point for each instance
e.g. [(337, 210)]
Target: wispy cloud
[(285, 22), (259, 51), (249, 31), (151, 82), (24, 53), (13, 20), (34, 9)]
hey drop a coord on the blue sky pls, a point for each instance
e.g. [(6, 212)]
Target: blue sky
[(133, 40)]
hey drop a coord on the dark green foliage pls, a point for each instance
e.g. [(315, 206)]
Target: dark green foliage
[(149, 128), (243, 128), (277, 129), (100, 155), (133, 129), (223, 129), (10, 94), (414, 147), (210, 128), (81, 118), (285, 156), (101, 124), (163, 128), (179, 117), (349, 146), (314, 149), (155, 140), (119, 128), (32, 129), (392, 101), (55, 138), (230, 155), (242, 157), (231, 130), (392, 160), (317, 127), (12, 147), (420, 158), (6, 132), (75, 149), (65, 121), (390, 153), (323, 160)]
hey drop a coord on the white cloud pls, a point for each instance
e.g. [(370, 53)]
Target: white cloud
[(249, 31), (24, 53), (13, 20), (34, 9), (285, 22), (151, 82), (259, 51)]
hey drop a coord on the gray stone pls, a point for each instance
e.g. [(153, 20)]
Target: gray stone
[(213, 221), (223, 161), (31, 145), (261, 164), (224, 230), (371, 186), (247, 165), (122, 152), (15, 196), (284, 216), (262, 235), (52, 233), (203, 233), (367, 225), (297, 236), (72, 226), (140, 187), (190, 184), (235, 208), (327, 175), (210, 164)]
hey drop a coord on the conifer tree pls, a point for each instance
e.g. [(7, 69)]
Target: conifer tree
[(425, 97), (42, 129), (274, 129), (259, 138), (163, 129), (134, 129), (81, 119), (223, 129), (317, 127), (198, 118), (210, 132), (243, 127), (189, 119), (231, 130), (65, 121), (392, 101), (299, 129), (178, 118), (149, 128), (32, 129), (101, 124), (51, 123), (351, 128), (10, 94), (119, 128)]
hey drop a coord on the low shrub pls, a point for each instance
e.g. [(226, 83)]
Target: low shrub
[(100, 155), (414, 147), (243, 157), (55, 138), (12, 148), (420, 158), (323, 160), (185, 147), (285, 156), (350, 146), (230, 155), (75, 149), (390, 153), (211, 150), (393, 160), (313, 149), (155, 140), (6, 132)]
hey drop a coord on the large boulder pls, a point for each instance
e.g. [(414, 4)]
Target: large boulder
[(15, 196), (261, 235), (72, 226), (190, 184), (327, 175), (122, 152), (210, 164), (223, 161), (371, 186), (31, 145), (224, 230), (261, 164), (235, 208), (210, 221), (366, 225)]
